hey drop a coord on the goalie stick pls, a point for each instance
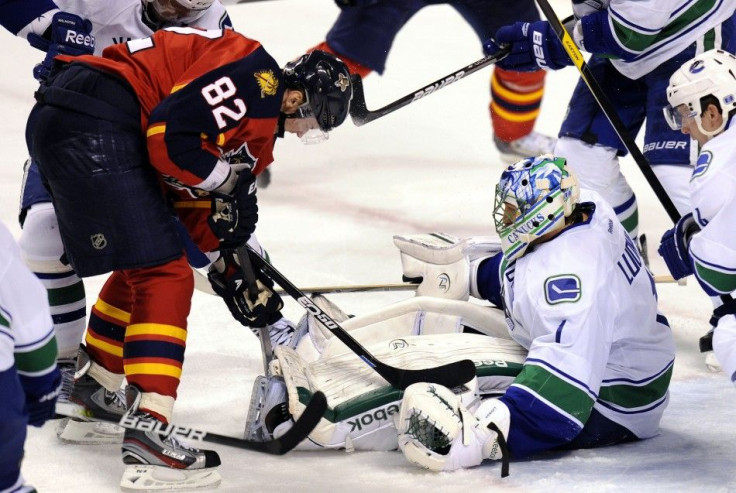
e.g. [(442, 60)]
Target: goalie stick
[(202, 284), (449, 375), (362, 115), (279, 446)]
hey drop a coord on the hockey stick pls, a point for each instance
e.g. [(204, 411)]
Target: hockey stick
[(279, 446), (449, 375), (605, 104), (202, 285), (362, 115)]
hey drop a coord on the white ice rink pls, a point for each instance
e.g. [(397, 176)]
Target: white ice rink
[(328, 218)]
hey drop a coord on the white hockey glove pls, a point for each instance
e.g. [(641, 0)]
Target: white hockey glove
[(438, 432), (440, 263)]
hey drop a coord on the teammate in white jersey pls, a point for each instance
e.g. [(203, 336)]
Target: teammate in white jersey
[(578, 297), (102, 23), (29, 378), (635, 45), (702, 104)]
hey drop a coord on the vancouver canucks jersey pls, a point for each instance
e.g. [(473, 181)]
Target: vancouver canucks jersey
[(26, 330), (585, 306), (113, 22), (645, 33), (712, 186)]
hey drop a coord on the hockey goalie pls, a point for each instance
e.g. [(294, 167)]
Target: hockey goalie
[(580, 356)]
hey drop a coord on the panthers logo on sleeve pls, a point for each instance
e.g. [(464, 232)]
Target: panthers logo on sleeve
[(564, 288), (268, 82)]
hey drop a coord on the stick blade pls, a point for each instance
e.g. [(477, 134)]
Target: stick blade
[(449, 375), (358, 108), (302, 428)]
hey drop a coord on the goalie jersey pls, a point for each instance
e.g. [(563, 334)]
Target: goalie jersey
[(585, 306)]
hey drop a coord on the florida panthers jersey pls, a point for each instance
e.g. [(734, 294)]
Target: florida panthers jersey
[(712, 186), (585, 306), (112, 22), (209, 100), (645, 33)]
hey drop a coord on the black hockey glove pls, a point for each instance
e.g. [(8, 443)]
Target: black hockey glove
[(227, 280), (234, 216)]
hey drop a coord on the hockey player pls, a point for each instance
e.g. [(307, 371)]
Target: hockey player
[(46, 24), (636, 46), (194, 104), (29, 378), (577, 296), (364, 31), (702, 104)]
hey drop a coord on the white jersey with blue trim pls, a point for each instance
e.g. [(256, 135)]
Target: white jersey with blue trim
[(25, 321), (119, 21), (585, 306), (653, 31), (712, 186)]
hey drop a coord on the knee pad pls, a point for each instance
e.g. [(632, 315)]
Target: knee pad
[(597, 168), (40, 242), (676, 182)]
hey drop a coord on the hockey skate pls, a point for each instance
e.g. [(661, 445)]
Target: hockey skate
[(67, 367), (160, 461), (88, 399), (268, 415), (532, 144)]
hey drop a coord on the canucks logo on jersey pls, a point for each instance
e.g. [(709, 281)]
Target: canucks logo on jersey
[(565, 288), (704, 160)]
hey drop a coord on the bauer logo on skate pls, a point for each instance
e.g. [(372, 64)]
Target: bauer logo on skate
[(136, 423)]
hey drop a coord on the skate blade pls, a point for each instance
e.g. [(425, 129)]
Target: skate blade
[(141, 478), (89, 432), (711, 362)]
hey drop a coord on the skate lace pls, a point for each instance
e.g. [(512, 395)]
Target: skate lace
[(281, 332), (115, 399), (67, 369)]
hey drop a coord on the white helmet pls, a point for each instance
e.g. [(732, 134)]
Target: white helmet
[(712, 73), (180, 11)]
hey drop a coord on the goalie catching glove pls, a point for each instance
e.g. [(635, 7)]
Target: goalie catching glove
[(234, 216), (227, 280), (438, 432)]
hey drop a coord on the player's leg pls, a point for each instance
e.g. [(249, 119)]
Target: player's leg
[(516, 97), (591, 146), (362, 36), (42, 251), (724, 345)]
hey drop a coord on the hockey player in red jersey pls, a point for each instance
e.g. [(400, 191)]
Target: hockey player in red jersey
[(185, 113)]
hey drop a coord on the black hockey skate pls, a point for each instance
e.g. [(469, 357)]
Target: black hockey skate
[(160, 461), (87, 401)]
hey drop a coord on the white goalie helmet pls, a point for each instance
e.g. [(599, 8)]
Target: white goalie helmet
[(533, 198), (712, 73), (180, 11)]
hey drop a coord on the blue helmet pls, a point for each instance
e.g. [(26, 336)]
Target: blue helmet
[(533, 198), (325, 80)]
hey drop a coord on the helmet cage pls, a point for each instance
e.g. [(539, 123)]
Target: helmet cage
[(533, 198)]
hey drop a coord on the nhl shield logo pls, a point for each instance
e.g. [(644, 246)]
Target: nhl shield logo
[(98, 241)]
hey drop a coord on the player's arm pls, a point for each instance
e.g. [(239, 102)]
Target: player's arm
[(22, 17), (624, 30)]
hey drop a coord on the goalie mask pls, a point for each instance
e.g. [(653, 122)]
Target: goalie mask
[(325, 81), (712, 73), (533, 198), (182, 12)]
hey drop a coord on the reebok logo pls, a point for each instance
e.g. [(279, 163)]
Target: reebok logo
[(72, 37)]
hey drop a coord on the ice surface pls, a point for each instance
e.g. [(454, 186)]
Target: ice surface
[(328, 218)]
